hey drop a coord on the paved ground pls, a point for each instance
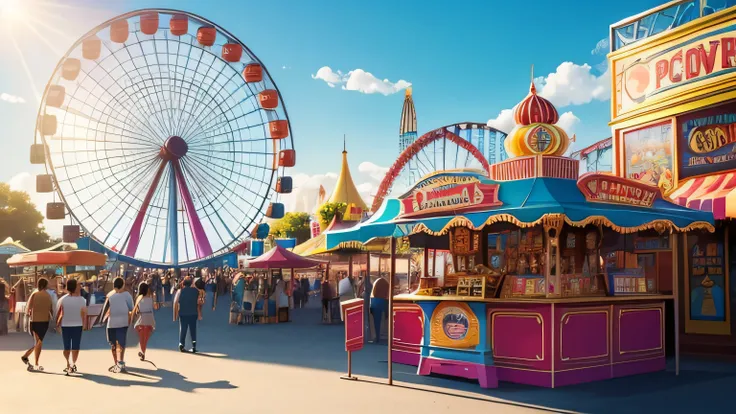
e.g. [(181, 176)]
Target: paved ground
[(295, 367)]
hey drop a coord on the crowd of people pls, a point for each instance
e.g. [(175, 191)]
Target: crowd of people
[(132, 302)]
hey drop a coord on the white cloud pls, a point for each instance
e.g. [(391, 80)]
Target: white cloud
[(601, 48), (326, 74), (11, 98), (27, 182), (573, 84), (504, 122), (374, 171), (359, 80), (569, 122)]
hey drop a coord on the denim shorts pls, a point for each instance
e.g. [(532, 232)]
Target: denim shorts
[(72, 336)]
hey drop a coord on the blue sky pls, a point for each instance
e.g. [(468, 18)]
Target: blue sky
[(466, 60)]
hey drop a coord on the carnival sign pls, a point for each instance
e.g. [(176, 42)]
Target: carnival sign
[(656, 72), (450, 198), (607, 188), (707, 142), (454, 324)]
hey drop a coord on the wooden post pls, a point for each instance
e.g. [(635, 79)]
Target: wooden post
[(392, 273), (676, 299)]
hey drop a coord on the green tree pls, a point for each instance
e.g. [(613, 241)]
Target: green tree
[(20, 220), (292, 225), (328, 211)]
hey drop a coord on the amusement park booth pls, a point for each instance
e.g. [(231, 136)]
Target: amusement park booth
[(533, 274), (673, 119)]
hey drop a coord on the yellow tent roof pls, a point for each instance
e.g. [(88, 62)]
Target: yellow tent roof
[(345, 190)]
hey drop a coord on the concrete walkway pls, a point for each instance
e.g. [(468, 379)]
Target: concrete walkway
[(295, 367)]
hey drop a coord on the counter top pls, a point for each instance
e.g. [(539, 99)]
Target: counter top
[(583, 299)]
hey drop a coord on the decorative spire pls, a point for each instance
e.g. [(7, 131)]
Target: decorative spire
[(408, 114), (535, 132), (535, 109), (345, 189), (344, 144)]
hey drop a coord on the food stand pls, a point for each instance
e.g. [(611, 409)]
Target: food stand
[(274, 261), (63, 259), (545, 285)]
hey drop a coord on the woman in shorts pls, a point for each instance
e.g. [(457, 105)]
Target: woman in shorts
[(145, 323), (72, 317)]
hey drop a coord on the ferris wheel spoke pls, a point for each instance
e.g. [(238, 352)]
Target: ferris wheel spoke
[(134, 102), (201, 243), (217, 121), (144, 97), (200, 158), (186, 67), (244, 187), (205, 115), (77, 164), (197, 106), (204, 195), (239, 129), (138, 137), (167, 125), (115, 194)]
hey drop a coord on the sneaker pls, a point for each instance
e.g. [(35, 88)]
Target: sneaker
[(194, 350), (121, 367), (181, 348)]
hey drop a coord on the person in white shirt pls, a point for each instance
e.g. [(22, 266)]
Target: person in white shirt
[(118, 308), (71, 317)]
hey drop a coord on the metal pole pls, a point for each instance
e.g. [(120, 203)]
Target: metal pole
[(676, 299), (367, 300), (392, 273)]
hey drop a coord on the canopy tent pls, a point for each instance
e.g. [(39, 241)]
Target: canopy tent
[(280, 258), (381, 224), (713, 193), (61, 258), (525, 203), (10, 246), (318, 244)]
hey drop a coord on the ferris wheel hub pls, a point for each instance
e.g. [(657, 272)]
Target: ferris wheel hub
[(174, 148)]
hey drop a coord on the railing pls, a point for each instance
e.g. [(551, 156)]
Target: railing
[(661, 19), (535, 166)]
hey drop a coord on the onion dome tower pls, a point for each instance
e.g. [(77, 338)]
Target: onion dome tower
[(535, 132)]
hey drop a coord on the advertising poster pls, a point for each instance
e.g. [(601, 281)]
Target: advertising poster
[(707, 281), (648, 154), (707, 142)]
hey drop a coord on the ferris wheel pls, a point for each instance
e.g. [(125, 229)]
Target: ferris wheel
[(164, 136)]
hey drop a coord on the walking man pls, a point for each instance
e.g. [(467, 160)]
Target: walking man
[(39, 310), (186, 305), (119, 306)]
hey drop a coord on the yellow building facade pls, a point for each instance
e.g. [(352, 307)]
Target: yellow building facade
[(673, 120)]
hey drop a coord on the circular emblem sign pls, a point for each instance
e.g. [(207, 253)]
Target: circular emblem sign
[(455, 323)]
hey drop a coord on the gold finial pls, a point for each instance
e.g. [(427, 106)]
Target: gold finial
[(532, 88), (408, 92), (344, 144)]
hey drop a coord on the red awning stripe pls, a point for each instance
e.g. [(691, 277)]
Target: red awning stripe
[(691, 188), (707, 194)]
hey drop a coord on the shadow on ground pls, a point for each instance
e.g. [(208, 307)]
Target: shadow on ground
[(305, 342)]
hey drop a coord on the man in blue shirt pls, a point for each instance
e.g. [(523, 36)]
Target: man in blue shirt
[(185, 309)]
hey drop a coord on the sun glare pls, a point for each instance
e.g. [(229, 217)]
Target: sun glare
[(11, 9)]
